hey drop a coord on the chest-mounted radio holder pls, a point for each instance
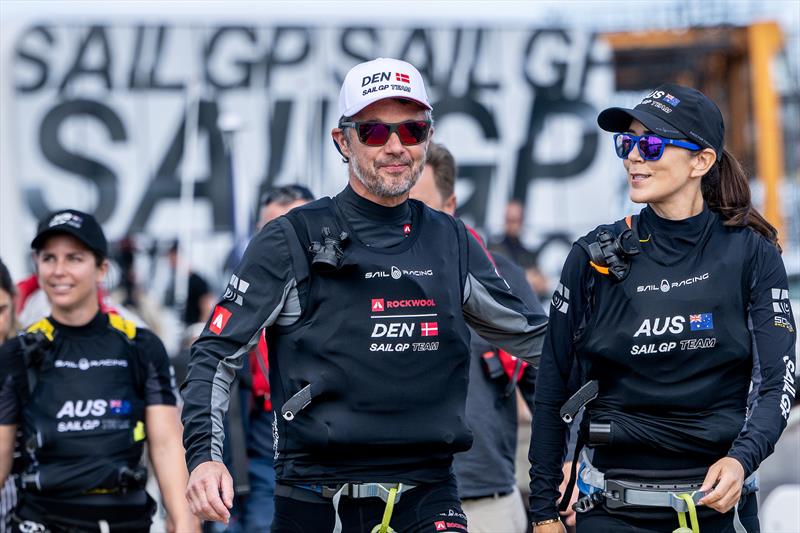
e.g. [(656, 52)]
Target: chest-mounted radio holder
[(614, 252), (328, 254)]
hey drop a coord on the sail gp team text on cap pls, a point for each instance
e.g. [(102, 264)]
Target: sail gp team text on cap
[(379, 79)]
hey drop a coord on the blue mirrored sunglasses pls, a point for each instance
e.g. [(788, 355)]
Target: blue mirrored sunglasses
[(651, 147)]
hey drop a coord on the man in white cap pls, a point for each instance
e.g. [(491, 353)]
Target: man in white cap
[(365, 298)]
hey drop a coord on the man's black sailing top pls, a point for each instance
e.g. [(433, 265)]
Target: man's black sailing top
[(381, 343), (674, 346)]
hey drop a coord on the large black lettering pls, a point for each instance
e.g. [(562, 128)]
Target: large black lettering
[(135, 78), (349, 42), (275, 57), (474, 206), (473, 83), (85, 168), (215, 187), (359, 44), (245, 67), (278, 126), (548, 81), (480, 176), (419, 38), (95, 38), (39, 63), (155, 81)]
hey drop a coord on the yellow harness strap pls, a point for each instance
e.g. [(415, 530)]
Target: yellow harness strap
[(45, 326), (383, 527), (128, 327), (692, 516)]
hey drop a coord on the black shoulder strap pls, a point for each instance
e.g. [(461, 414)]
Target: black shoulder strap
[(297, 240), (36, 343)]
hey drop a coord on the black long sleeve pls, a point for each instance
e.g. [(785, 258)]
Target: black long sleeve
[(549, 438)]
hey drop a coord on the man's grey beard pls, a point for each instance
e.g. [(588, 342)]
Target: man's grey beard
[(374, 184)]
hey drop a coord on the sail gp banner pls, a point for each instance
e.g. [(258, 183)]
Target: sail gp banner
[(95, 118)]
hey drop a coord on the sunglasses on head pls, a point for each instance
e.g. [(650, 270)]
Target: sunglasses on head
[(376, 133), (651, 146)]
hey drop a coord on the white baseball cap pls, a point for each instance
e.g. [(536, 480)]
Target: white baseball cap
[(378, 79)]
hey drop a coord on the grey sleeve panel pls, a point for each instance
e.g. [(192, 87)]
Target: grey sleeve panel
[(257, 295), (506, 326), (495, 312), (226, 373), (291, 309)]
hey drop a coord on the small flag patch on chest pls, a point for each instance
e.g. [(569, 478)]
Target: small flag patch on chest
[(701, 321), (429, 329)]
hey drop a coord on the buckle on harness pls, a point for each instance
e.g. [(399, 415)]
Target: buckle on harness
[(587, 503), (622, 493)]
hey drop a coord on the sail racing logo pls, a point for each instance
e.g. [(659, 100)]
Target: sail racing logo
[(665, 285)]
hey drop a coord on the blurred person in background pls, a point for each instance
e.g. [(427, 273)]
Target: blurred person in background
[(486, 473), (368, 424), (259, 506), (510, 244), (8, 491), (280, 200), (87, 387), (670, 315), (199, 296)]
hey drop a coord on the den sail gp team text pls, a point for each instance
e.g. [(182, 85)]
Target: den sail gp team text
[(659, 325)]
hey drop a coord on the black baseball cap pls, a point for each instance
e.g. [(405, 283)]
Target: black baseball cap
[(675, 112), (80, 225)]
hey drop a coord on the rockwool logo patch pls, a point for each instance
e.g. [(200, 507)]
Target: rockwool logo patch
[(219, 320)]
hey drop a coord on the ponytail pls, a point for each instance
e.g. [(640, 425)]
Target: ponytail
[(726, 191)]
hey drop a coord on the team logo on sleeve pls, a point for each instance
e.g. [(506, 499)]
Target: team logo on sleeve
[(780, 301), (219, 319), (236, 290), (561, 298), (782, 309)]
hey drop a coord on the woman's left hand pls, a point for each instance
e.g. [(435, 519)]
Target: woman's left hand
[(726, 476)]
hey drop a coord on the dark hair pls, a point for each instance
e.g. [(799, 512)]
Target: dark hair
[(5, 280), (286, 194), (727, 192), (444, 169)]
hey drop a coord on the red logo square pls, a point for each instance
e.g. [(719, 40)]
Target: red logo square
[(440, 525), (219, 320), (377, 305)]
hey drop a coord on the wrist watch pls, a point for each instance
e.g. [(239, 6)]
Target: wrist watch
[(545, 522)]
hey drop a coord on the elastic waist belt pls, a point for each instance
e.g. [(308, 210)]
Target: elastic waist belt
[(351, 490)]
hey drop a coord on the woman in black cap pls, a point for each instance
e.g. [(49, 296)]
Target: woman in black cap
[(87, 388), (669, 316)]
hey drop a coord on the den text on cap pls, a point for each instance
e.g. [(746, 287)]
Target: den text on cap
[(378, 79)]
